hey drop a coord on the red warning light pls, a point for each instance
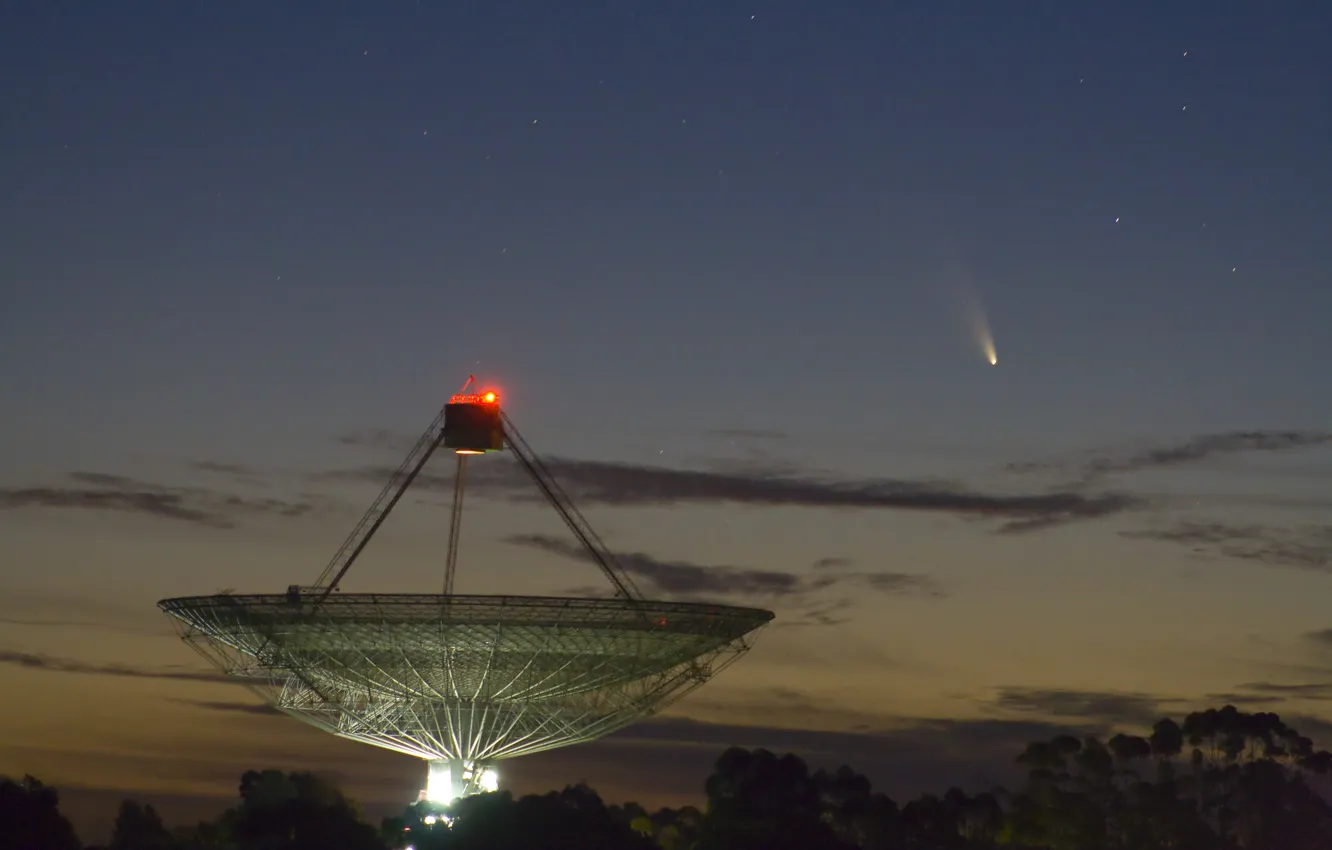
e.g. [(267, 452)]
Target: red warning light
[(464, 397), (489, 397)]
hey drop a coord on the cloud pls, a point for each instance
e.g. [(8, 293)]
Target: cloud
[(55, 664), (691, 580), (1244, 701), (1307, 547), (627, 484), (1315, 691), (106, 492), (67, 623), (1192, 451), (49, 608), (1101, 707), (221, 467), (1118, 709), (900, 583), (1244, 500), (259, 708), (1213, 445), (237, 472), (152, 503), (1323, 637), (747, 434), (834, 613), (833, 563), (676, 577), (634, 485), (379, 438)]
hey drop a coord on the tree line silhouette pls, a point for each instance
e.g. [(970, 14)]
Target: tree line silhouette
[(1221, 780)]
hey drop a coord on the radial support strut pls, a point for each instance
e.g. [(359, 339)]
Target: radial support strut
[(455, 524)]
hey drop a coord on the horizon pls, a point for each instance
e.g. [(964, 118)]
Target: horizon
[(1313, 775)]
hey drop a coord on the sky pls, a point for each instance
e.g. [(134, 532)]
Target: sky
[(732, 267)]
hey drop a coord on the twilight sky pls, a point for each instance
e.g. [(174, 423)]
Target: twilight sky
[(247, 248)]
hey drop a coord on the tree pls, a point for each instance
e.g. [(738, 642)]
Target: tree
[(1243, 786), (572, 819), (30, 817), (295, 811), (1167, 739), (139, 827), (857, 816), (758, 800), (678, 829)]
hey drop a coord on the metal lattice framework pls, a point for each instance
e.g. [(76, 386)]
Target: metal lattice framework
[(465, 681), (472, 678)]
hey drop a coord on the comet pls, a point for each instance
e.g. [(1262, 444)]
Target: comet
[(962, 300), (980, 325)]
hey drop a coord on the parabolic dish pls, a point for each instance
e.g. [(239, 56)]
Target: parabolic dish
[(476, 678)]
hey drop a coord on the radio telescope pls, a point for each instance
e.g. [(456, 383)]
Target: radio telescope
[(460, 681)]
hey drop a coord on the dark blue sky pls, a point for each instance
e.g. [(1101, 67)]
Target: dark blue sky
[(237, 231), (231, 206)]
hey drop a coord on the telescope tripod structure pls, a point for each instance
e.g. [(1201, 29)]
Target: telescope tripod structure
[(471, 424), (461, 681)]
